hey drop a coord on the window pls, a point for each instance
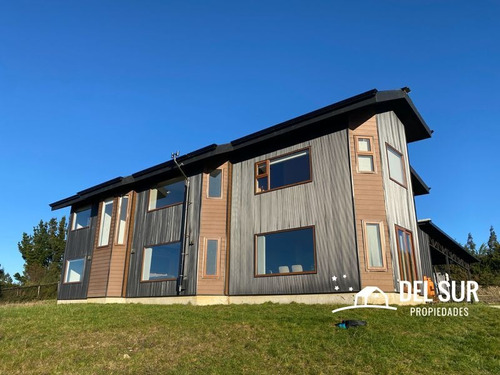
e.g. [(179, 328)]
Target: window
[(215, 184), (396, 166), (74, 271), (81, 218), (211, 258), (285, 252), (290, 169), (122, 219), (365, 154), (406, 255), (166, 195), (161, 262), (106, 214), (374, 244)]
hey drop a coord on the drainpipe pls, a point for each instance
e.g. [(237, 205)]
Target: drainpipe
[(185, 240)]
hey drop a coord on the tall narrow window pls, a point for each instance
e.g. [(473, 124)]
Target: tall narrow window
[(287, 170), (365, 154), (74, 271), (166, 194), (406, 255), (106, 214), (215, 184), (81, 218), (122, 219), (285, 252), (396, 166), (161, 262), (374, 246), (211, 258)]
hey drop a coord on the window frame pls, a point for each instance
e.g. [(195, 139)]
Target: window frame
[(365, 153), (165, 183), (66, 268), (268, 171), (100, 226), (142, 262), (221, 183), (256, 235), (382, 246), (405, 177), (205, 256), (412, 242), (118, 214), (73, 217)]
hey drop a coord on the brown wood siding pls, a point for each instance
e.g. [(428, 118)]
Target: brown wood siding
[(99, 270), (213, 223), (369, 205)]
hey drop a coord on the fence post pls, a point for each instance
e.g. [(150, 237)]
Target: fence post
[(38, 294)]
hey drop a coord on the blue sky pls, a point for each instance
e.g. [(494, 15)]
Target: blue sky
[(91, 90)]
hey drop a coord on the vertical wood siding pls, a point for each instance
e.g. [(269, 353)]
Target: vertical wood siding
[(400, 204), (326, 203), (213, 224), (425, 254), (161, 226), (79, 244), (369, 205)]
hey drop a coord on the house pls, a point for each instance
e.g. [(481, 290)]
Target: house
[(313, 209)]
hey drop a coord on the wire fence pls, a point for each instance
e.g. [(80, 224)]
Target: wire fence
[(29, 293)]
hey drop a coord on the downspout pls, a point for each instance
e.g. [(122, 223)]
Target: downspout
[(185, 240)]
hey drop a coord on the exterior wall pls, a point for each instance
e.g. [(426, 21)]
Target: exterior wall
[(213, 224), (158, 227), (326, 203), (399, 201), (79, 244), (369, 206), (425, 254)]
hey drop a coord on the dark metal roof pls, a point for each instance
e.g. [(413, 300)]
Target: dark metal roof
[(371, 102), (418, 185), (440, 236)]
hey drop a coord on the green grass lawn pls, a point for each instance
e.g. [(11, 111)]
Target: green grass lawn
[(246, 339)]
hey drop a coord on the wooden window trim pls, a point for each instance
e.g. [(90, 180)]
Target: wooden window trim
[(127, 217), (268, 172), (405, 178), (168, 206), (73, 216), (205, 254), (382, 244), (288, 273), (414, 270), (365, 153), (99, 227), (142, 263), (66, 271), (221, 184)]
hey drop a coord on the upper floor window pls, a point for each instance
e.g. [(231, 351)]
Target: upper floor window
[(166, 194), (286, 170), (81, 218), (365, 154), (105, 227), (122, 219), (285, 252), (215, 184), (74, 271), (396, 166)]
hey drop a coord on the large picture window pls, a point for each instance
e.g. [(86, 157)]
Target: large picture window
[(81, 218), (406, 255), (74, 271), (166, 194), (286, 252), (396, 166), (161, 262), (105, 227), (374, 242), (286, 170)]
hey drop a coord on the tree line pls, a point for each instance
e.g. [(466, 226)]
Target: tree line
[(487, 271)]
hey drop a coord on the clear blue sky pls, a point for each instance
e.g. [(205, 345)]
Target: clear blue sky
[(91, 90)]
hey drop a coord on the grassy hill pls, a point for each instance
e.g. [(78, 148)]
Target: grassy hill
[(247, 339)]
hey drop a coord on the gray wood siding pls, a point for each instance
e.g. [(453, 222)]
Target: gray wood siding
[(425, 254), (79, 244), (326, 203), (162, 226), (399, 201)]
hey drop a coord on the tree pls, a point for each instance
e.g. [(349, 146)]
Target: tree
[(470, 246), (43, 252), (5, 279), (492, 241)]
